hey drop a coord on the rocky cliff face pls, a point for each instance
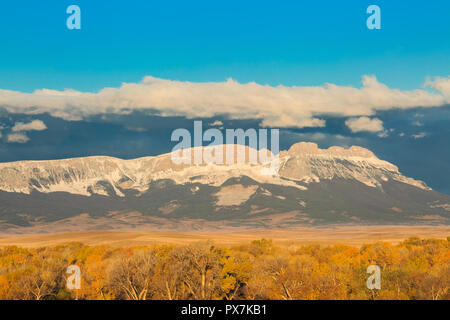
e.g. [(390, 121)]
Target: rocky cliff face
[(312, 186), (306, 162), (302, 164)]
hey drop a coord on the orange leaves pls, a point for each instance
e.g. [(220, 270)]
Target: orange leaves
[(413, 269)]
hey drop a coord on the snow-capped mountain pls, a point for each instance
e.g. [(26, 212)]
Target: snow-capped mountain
[(302, 164), (312, 185)]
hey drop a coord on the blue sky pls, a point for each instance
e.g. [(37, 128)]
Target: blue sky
[(295, 44), (283, 42)]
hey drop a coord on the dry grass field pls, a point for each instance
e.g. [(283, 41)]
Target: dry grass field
[(351, 235)]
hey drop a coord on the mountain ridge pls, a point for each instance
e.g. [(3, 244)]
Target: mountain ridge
[(313, 186), (77, 175)]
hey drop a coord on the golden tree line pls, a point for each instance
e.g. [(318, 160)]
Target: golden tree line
[(413, 269)]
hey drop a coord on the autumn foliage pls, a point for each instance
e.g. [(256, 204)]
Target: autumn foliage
[(413, 269)]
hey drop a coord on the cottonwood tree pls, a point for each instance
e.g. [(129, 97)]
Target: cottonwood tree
[(236, 272), (42, 278), (274, 278), (200, 268), (94, 277), (437, 283), (169, 280), (130, 277)]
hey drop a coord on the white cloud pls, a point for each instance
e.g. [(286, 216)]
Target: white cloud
[(67, 116), (17, 138), (364, 124), (36, 125), (279, 106), (419, 135), (383, 134), (325, 139), (440, 84), (216, 123)]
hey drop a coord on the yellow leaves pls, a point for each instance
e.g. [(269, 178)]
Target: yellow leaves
[(236, 271), (229, 283), (5, 287), (94, 277), (413, 269)]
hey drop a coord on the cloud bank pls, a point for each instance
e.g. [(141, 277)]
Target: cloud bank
[(278, 106)]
